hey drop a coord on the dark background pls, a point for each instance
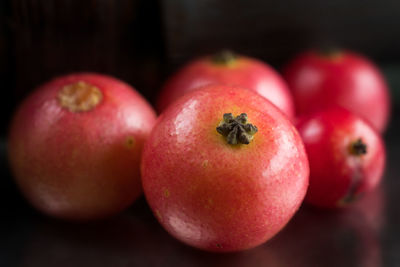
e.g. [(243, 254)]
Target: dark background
[(142, 42)]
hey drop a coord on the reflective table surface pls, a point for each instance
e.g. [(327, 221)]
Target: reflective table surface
[(366, 233)]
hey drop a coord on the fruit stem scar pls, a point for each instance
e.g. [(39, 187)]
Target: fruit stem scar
[(224, 57), (358, 148), (330, 52), (237, 130), (79, 96)]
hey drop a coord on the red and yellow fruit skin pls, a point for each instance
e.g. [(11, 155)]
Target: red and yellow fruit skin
[(344, 79), (216, 196), (82, 165), (336, 174), (244, 72)]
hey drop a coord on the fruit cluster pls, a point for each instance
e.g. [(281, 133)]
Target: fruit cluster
[(231, 157)]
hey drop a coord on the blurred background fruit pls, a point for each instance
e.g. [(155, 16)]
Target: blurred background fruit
[(75, 146), (228, 68), (323, 79), (347, 156)]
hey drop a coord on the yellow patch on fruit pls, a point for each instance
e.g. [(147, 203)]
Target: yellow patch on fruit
[(210, 203), (130, 142), (158, 214), (204, 164), (166, 193)]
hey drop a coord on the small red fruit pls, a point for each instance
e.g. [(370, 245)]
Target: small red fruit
[(224, 169), (347, 156), (339, 78), (228, 68), (75, 144)]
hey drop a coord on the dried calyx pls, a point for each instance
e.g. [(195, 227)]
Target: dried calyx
[(236, 130), (330, 52), (79, 96), (358, 148), (224, 57)]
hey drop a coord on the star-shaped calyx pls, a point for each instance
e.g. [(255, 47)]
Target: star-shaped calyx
[(358, 148), (236, 130)]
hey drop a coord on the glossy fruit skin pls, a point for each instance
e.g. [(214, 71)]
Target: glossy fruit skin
[(346, 79), (245, 72), (335, 173), (216, 196), (83, 165)]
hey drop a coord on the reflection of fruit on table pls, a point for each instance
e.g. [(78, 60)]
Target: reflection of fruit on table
[(314, 237), (348, 236)]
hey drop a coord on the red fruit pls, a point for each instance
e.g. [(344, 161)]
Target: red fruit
[(219, 196), (321, 80), (227, 68), (346, 155), (75, 144)]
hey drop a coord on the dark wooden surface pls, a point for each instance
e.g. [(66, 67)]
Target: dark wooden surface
[(364, 235)]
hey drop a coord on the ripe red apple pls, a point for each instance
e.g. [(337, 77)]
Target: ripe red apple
[(228, 68), (224, 169), (75, 144), (346, 155), (339, 78)]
